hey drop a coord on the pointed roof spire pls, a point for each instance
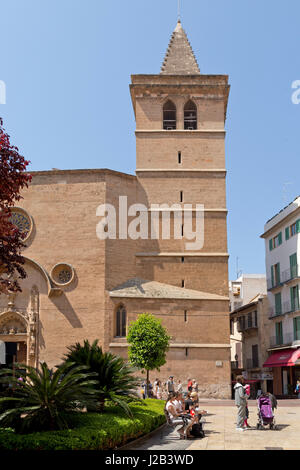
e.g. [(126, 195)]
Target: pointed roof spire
[(179, 58)]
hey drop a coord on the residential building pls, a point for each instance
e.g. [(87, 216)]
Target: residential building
[(245, 288), (282, 238), (252, 324), (248, 325)]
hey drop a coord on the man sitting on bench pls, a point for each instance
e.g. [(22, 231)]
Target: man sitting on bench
[(175, 418)]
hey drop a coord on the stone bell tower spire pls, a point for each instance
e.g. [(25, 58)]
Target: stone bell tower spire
[(180, 154), (179, 58)]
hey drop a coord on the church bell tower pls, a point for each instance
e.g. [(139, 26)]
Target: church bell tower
[(180, 160)]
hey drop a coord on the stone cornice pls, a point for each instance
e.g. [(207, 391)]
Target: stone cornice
[(182, 253), (84, 171), (183, 170), (180, 345), (169, 209), (180, 131)]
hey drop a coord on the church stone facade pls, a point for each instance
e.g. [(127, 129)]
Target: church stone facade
[(82, 287)]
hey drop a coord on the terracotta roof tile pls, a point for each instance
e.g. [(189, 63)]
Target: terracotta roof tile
[(140, 288)]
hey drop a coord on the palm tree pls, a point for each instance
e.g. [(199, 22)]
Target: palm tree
[(43, 399), (115, 379)]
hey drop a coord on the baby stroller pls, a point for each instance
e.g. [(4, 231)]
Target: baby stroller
[(265, 412)]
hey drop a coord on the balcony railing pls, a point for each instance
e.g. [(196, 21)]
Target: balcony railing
[(252, 363), (271, 283), (236, 364), (246, 326), (285, 339), (286, 308), (290, 273), (285, 276)]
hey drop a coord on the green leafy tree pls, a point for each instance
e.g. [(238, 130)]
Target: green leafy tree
[(149, 342), (115, 379), (43, 399)]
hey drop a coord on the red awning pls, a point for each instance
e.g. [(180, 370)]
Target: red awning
[(285, 357)]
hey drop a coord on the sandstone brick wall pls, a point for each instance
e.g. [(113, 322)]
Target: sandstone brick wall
[(63, 207), (205, 325)]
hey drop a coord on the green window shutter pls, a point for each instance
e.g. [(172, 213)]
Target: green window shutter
[(293, 265), (270, 245), (279, 339), (278, 304), (297, 328), (272, 275), (280, 238), (292, 299), (278, 272), (297, 298), (298, 226), (287, 233)]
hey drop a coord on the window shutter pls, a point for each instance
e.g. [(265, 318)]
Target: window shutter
[(279, 338), (292, 299), (272, 276), (278, 273), (297, 297), (293, 265), (287, 233), (298, 226), (280, 238), (278, 304), (271, 244), (296, 328)]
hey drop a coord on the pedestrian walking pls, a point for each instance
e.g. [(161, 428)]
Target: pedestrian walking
[(297, 389), (155, 387), (179, 387), (170, 385), (240, 401), (189, 385), (158, 390), (194, 386)]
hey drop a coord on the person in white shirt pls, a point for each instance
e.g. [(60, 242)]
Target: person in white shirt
[(179, 387), (174, 415), (179, 402), (175, 409)]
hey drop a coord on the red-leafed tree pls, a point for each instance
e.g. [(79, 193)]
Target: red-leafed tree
[(13, 178)]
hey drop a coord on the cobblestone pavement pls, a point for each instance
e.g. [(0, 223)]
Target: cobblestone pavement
[(221, 433)]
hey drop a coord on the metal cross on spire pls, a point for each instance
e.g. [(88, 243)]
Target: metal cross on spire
[(178, 14)]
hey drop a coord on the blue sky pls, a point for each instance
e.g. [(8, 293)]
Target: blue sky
[(67, 67)]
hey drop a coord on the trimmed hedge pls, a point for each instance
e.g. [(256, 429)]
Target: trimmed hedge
[(91, 431)]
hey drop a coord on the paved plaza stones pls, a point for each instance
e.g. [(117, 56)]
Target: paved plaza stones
[(222, 435)]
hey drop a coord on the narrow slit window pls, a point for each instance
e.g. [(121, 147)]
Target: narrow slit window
[(185, 316), (182, 283), (181, 196), (169, 116), (182, 230), (182, 259), (179, 157), (190, 116)]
